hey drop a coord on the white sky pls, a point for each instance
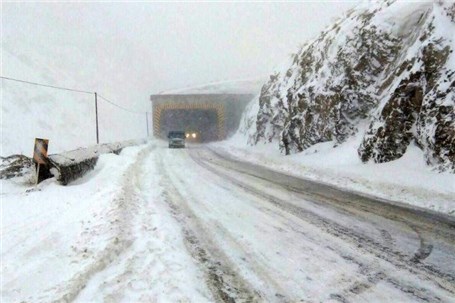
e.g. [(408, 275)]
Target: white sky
[(132, 50)]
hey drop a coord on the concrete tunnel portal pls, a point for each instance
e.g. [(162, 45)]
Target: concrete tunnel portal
[(210, 117)]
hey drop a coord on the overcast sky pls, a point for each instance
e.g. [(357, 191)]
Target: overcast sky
[(133, 50)]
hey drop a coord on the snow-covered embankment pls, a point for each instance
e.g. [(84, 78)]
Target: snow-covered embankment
[(105, 235)]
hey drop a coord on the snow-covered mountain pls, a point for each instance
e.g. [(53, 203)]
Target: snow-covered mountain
[(386, 71), (66, 118)]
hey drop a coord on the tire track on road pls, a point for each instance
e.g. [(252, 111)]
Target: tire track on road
[(444, 281), (223, 281)]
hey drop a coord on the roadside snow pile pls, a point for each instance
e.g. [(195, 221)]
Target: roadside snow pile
[(74, 164), (81, 154), (58, 234), (82, 242), (406, 180), (389, 65), (65, 166)]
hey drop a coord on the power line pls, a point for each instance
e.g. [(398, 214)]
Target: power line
[(73, 90), (46, 85), (85, 92), (119, 106)]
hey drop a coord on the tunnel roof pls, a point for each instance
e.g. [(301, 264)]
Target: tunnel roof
[(242, 86)]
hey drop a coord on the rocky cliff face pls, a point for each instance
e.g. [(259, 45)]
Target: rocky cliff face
[(389, 65)]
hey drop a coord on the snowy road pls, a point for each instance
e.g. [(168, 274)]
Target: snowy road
[(192, 225), (264, 236)]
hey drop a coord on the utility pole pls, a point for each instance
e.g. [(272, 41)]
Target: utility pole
[(96, 112), (147, 122)]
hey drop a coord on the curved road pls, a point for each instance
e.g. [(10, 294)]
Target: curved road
[(259, 235)]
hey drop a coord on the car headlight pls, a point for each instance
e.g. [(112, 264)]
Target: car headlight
[(193, 135), (187, 135)]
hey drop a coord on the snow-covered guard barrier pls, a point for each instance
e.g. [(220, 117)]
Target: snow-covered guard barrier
[(71, 165)]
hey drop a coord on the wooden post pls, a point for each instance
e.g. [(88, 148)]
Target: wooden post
[(37, 176), (96, 112)]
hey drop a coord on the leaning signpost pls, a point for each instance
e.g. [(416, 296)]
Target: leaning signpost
[(40, 154)]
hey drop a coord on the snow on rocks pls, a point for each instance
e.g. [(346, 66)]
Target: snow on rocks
[(14, 166), (389, 64), (422, 106)]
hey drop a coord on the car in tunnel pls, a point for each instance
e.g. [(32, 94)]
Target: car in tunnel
[(192, 136), (176, 139)]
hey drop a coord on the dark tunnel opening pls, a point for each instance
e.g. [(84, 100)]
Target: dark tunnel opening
[(201, 122)]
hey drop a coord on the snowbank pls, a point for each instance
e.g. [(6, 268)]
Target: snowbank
[(407, 180), (50, 234), (84, 241), (74, 164)]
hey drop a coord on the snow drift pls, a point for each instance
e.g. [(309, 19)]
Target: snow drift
[(388, 66)]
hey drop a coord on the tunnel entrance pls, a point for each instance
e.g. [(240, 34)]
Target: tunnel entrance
[(214, 116), (207, 119), (201, 125)]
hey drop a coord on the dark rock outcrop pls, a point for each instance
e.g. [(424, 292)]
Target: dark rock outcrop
[(15, 166), (417, 110), (389, 140)]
